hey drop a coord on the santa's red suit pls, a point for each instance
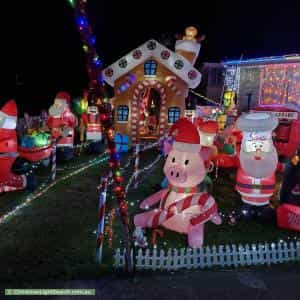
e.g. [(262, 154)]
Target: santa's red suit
[(8, 149), (92, 123), (62, 121), (255, 191)]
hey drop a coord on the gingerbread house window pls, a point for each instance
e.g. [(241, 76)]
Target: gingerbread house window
[(173, 114), (122, 113), (150, 67)]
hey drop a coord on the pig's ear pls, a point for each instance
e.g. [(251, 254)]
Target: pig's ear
[(205, 153), (167, 148)]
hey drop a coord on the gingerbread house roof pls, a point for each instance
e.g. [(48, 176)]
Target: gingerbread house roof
[(176, 63)]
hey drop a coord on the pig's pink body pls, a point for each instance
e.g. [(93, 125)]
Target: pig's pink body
[(181, 208)]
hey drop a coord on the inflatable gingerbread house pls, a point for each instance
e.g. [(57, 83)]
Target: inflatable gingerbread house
[(150, 85)]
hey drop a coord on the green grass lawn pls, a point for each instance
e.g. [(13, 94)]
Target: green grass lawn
[(54, 237)]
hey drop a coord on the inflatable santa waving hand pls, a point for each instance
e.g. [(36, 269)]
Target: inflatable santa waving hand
[(8, 149), (258, 159), (61, 120)]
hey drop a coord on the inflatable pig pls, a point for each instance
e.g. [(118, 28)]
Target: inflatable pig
[(181, 207)]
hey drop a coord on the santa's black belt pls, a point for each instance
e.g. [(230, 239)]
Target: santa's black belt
[(256, 186)]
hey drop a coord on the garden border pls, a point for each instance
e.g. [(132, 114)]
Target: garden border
[(214, 256)]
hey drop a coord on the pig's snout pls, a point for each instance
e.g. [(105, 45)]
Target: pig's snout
[(177, 174)]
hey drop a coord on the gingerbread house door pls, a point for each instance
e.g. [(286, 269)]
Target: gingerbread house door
[(148, 121)]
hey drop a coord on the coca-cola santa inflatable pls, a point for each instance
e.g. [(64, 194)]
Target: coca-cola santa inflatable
[(258, 159), (8, 149), (62, 121), (181, 207)]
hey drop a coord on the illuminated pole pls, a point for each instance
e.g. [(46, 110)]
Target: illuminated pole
[(94, 68)]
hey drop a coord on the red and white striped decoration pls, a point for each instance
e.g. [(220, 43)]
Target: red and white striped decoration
[(101, 217), (135, 109), (170, 81), (53, 166), (6, 188), (136, 164), (203, 200)]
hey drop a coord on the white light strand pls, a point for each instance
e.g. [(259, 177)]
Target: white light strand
[(36, 195)]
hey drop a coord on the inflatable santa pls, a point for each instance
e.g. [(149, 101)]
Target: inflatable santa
[(8, 149), (258, 158), (92, 124), (62, 121)]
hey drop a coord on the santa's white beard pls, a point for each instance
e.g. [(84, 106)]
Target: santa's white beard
[(264, 167), (57, 110)]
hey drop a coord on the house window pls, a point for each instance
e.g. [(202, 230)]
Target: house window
[(122, 113), (173, 114), (150, 68)]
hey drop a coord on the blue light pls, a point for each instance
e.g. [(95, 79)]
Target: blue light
[(123, 88), (132, 77), (81, 21), (97, 62), (260, 60), (92, 40)]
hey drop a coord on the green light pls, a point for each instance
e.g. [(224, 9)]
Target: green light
[(72, 2), (85, 48), (41, 139)]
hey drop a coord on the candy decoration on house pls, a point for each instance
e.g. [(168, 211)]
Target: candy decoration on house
[(258, 158), (150, 65), (181, 207), (288, 212), (61, 122), (8, 149)]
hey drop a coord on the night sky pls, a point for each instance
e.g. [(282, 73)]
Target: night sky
[(40, 42)]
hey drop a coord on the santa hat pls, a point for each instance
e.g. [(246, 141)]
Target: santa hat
[(8, 115), (63, 96), (186, 136)]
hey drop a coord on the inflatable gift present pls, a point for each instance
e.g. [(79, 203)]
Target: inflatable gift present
[(122, 142)]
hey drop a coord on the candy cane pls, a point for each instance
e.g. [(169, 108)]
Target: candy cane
[(53, 168), (136, 164), (101, 214)]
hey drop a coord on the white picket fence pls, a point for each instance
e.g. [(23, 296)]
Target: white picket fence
[(207, 257)]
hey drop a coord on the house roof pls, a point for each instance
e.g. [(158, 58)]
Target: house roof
[(177, 64), (264, 60)]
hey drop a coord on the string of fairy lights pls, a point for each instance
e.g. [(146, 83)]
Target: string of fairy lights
[(44, 187), (97, 89)]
